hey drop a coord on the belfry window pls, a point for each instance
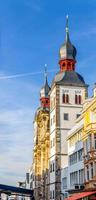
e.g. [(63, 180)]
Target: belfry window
[(65, 98), (77, 99)]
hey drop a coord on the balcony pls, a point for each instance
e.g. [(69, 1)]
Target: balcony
[(90, 127)]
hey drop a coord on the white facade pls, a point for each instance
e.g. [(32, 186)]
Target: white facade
[(75, 157), (59, 128)]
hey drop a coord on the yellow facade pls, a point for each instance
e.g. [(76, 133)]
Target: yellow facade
[(89, 116), (41, 154), (89, 142)]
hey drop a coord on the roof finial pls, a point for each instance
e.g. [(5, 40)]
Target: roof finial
[(45, 73), (67, 28)]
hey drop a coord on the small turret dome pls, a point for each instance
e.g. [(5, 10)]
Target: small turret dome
[(44, 92)]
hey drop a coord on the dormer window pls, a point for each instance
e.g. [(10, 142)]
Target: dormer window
[(65, 98)]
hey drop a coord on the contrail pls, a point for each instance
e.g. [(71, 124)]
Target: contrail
[(24, 75)]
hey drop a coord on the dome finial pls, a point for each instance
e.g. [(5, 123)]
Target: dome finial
[(67, 28), (45, 73)]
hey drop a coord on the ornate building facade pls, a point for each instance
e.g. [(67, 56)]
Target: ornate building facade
[(89, 142), (41, 146), (60, 106)]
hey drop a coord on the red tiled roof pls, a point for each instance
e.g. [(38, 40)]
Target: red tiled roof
[(80, 195)]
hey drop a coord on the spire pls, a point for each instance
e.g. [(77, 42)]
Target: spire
[(67, 29), (45, 74), (44, 92), (67, 53)]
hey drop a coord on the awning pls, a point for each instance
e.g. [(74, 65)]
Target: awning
[(81, 195)]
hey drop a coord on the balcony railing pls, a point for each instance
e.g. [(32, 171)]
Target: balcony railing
[(91, 127)]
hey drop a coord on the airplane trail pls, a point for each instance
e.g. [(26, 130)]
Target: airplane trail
[(23, 75)]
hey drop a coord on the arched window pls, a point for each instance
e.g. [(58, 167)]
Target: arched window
[(65, 98), (77, 99)]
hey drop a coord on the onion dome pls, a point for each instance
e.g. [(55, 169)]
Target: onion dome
[(67, 50)]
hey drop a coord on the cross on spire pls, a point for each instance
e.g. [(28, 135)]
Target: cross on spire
[(67, 28), (45, 73)]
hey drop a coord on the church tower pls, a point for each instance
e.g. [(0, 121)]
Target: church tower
[(67, 94), (41, 145)]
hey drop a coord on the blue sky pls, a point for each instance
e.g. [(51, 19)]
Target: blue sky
[(31, 32)]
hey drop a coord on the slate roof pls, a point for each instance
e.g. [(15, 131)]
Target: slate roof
[(46, 89), (71, 78)]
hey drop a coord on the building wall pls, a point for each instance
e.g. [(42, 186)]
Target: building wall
[(41, 154), (59, 130), (89, 142)]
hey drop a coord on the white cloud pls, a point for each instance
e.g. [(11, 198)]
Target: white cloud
[(17, 102)]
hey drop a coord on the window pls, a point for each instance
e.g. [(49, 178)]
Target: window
[(53, 167), (50, 194), (73, 158), (78, 115), (53, 118), (27, 178), (87, 172), (95, 141), (65, 98), (30, 185), (81, 176), (53, 194), (66, 116), (80, 154), (64, 183), (73, 178), (77, 99), (50, 167), (91, 164)]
